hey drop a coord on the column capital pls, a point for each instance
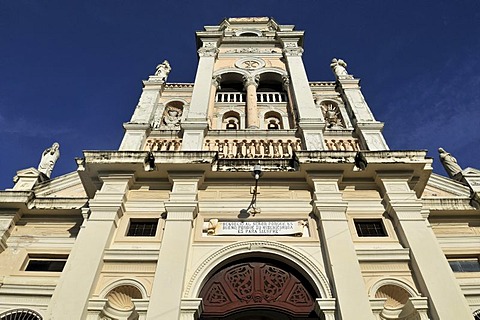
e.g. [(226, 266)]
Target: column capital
[(285, 82), (292, 52), (207, 52), (216, 80), (251, 80)]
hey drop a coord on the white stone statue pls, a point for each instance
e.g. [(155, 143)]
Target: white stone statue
[(49, 157), (172, 119), (163, 69), (339, 67), (450, 164)]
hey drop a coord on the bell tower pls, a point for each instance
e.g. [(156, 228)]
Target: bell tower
[(252, 99)]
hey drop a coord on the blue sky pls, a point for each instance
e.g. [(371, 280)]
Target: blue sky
[(71, 71)]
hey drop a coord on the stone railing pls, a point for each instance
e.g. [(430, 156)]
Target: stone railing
[(252, 148), (239, 97), (342, 144), (261, 148), (163, 144)]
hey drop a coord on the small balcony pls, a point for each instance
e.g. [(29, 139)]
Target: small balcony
[(240, 97)]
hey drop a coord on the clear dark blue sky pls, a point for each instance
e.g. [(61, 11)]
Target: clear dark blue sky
[(71, 71)]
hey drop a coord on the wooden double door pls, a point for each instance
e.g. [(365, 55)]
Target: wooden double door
[(258, 290)]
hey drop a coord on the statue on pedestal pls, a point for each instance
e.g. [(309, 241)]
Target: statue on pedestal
[(450, 164), (49, 157), (162, 71), (339, 68)]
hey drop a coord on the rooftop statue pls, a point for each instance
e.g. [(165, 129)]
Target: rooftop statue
[(450, 164), (163, 69), (49, 157), (339, 68)]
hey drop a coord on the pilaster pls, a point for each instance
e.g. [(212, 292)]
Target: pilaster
[(136, 131), (190, 309), (367, 128), (195, 125), (325, 308), (135, 136), (86, 258), (169, 279), (431, 269), (310, 119), (341, 259), (211, 105)]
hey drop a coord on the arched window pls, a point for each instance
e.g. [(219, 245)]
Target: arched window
[(231, 120), (20, 314), (273, 121)]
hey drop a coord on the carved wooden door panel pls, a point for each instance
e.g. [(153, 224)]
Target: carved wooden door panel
[(259, 285)]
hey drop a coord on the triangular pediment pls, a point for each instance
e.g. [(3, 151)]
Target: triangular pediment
[(28, 172), (443, 187), (471, 171)]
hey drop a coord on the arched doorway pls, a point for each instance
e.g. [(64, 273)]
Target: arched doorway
[(258, 289)]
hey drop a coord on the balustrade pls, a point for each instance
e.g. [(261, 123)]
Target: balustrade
[(342, 144), (239, 97), (163, 145), (253, 148)]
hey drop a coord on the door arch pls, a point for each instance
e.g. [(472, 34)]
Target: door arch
[(257, 288)]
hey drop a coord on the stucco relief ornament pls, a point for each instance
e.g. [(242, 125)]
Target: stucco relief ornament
[(332, 116), (450, 164), (172, 119), (162, 71), (339, 68), (49, 158)]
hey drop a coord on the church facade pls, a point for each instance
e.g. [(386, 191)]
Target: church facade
[(252, 193)]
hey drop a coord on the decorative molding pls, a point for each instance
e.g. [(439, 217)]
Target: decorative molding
[(250, 63), (276, 248)]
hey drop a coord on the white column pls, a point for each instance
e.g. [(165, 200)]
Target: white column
[(167, 290), (195, 125), (211, 106), (341, 258), (70, 298), (311, 120), (368, 129), (250, 83), (431, 269)]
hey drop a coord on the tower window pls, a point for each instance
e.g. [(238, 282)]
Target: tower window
[(46, 264), (142, 228), (370, 228), (231, 125), (465, 265)]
